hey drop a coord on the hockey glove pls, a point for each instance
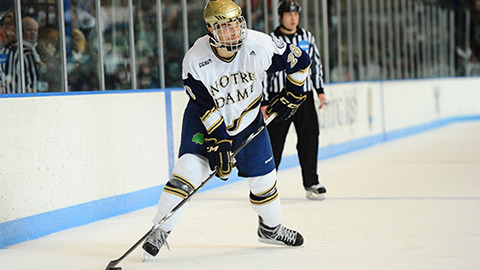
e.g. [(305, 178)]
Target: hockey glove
[(219, 156), (285, 104)]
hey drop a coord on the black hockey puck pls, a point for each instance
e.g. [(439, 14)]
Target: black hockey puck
[(115, 268)]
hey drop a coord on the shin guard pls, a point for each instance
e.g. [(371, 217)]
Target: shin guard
[(264, 198), (188, 173)]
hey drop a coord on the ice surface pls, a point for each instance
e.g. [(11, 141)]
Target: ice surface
[(409, 204)]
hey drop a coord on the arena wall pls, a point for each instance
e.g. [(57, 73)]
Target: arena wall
[(68, 159)]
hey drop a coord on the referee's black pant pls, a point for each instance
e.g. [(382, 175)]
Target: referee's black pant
[(306, 125)]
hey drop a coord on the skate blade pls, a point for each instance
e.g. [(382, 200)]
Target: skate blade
[(146, 256), (315, 197), (275, 242)]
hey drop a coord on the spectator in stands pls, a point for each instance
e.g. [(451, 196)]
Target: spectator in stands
[(30, 39), (81, 65), (7, 25), (7, 30), (78, 47), (30, 31), (10, 74), (50, 70)]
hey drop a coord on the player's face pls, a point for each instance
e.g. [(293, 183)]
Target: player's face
[(230, 32), (290, 19), (230, 35)]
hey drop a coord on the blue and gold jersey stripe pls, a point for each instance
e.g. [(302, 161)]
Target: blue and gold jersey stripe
[(252, 106)]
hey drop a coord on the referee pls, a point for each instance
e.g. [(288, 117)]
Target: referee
[(305, 119)]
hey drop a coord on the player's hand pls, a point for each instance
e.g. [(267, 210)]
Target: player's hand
[(285, 104), (264, 113), (323, 100), (219, 156)]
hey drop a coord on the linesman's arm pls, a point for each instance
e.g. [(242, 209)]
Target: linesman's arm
[(316, 68), (316, 73)]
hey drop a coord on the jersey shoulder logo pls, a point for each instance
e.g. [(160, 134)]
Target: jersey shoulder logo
[(278, 42), (198, 138)]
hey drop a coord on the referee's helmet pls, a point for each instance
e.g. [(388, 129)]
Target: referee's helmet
[(288, 6)]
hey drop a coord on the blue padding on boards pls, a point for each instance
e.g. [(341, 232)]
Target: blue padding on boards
[(33, 227)]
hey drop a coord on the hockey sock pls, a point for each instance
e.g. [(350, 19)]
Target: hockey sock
[(188, 173), (264, 198)]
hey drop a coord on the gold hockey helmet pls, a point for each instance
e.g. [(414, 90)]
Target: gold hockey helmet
[(220, 11), (229, 29)]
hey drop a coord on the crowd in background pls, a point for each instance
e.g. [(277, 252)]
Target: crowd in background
[(466, 53), (42, 48)]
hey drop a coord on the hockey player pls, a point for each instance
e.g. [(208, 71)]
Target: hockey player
[(222, 74), (305, 120)]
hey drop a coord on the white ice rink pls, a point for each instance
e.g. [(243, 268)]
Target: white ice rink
[(412, 203)]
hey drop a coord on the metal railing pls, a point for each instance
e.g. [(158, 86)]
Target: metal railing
[(358, 40)]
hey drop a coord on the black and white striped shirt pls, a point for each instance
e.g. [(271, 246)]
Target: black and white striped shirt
[(10, 70), (275, 82)]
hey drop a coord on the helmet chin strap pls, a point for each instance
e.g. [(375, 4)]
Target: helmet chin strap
[(213, 41), (216, 44), (229, 48), (283, 26)]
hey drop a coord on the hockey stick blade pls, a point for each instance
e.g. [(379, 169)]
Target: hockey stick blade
[(111, 265)]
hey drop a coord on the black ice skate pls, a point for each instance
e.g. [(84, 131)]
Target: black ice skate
[(279, 235), (156, 240), (316, 192)]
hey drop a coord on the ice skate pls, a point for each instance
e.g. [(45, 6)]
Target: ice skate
[(316, 192), (279, 235), (156, 240)]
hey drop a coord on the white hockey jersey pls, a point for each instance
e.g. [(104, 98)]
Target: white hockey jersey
[(227, 93)]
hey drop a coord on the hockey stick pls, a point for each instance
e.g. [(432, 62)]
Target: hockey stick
[(111, 265)]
